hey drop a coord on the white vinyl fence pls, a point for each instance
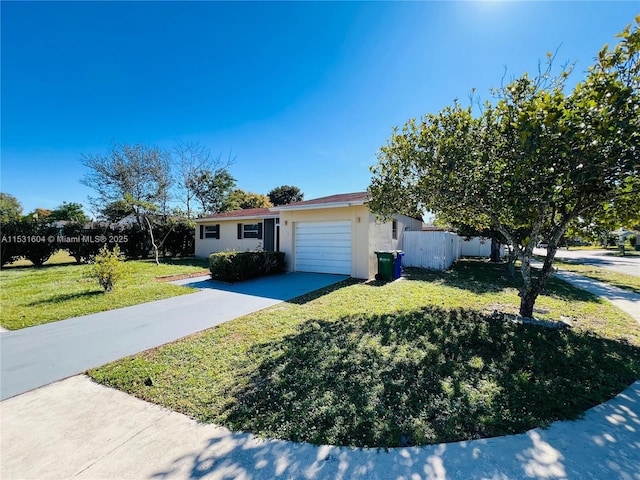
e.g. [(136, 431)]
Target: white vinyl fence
[(435, 250), (478, 247)]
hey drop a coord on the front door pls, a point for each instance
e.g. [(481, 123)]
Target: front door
[(269, 231)]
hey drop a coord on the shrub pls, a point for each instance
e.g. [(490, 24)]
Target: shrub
[(181, 240), (108, 267), (137, 244), (238, 266), (10, 251), (42, 237), (82, 245)]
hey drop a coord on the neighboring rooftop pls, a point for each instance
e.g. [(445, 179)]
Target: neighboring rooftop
[(339, 200), (248, 213)]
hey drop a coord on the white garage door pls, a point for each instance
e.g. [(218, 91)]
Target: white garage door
[(323, 247)]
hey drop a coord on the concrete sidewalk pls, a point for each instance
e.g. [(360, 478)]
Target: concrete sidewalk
[(623, 299), (76, 428)]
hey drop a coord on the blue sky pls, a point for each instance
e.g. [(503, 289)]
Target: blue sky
[(300, 93)]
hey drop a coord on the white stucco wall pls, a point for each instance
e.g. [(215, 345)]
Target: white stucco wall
[(380, 237), (358, 217), (367, 235), (228, 238)]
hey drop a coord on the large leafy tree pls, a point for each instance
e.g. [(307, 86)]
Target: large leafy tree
[(10, 216), (137, 176), (70, 211), (116, 210), (285, 194), (196, 171), (532, 162), (10, 208), (239, 199), (212, 190), (621, 214), (40, 213)]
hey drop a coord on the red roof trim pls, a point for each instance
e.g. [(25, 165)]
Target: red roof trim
[(359, 197), (250, 212)]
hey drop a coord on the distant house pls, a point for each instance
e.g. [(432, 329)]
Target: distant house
[(336, 234)]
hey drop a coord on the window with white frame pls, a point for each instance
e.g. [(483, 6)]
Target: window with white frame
[(394, 230)]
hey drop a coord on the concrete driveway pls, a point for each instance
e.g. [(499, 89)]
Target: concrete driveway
[(36, 356)]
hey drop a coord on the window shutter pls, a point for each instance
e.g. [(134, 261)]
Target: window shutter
[(260, 231), (218, 231), (239, 231), (201, 232)]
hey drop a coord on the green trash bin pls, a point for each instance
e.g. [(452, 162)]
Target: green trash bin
[(386, 261)]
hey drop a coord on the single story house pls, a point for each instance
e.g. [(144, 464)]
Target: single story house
[(335, 234)]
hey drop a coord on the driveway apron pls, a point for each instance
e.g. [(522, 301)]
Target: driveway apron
[(36, 356)]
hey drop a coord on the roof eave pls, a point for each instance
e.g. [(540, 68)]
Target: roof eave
[(216, 219), (317, 206)]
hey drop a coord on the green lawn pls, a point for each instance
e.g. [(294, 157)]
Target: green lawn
[(32, 296), (61, 257), (612, 251), (416, 361), (627, 253)]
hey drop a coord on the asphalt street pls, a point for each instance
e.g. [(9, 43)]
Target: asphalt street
[(629, 265)]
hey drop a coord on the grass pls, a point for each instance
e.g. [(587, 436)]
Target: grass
[(613, 251), (627, 253), (61, 257), (33, 296), (620, 280), (412, 362)]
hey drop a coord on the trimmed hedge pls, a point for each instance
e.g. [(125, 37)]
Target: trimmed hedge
[(37, 240), (238, 266), (30, 238)]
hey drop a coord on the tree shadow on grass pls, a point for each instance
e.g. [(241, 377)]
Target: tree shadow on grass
[(10, 266), (423, 377), (480, 276), (183, 261), (65, 297), (476, 275), (321, 292)]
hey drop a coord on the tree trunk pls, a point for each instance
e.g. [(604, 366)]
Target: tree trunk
[(533, 287), (153, 242), (495, 249), (527, 301), (511, 261), (156, 248)]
